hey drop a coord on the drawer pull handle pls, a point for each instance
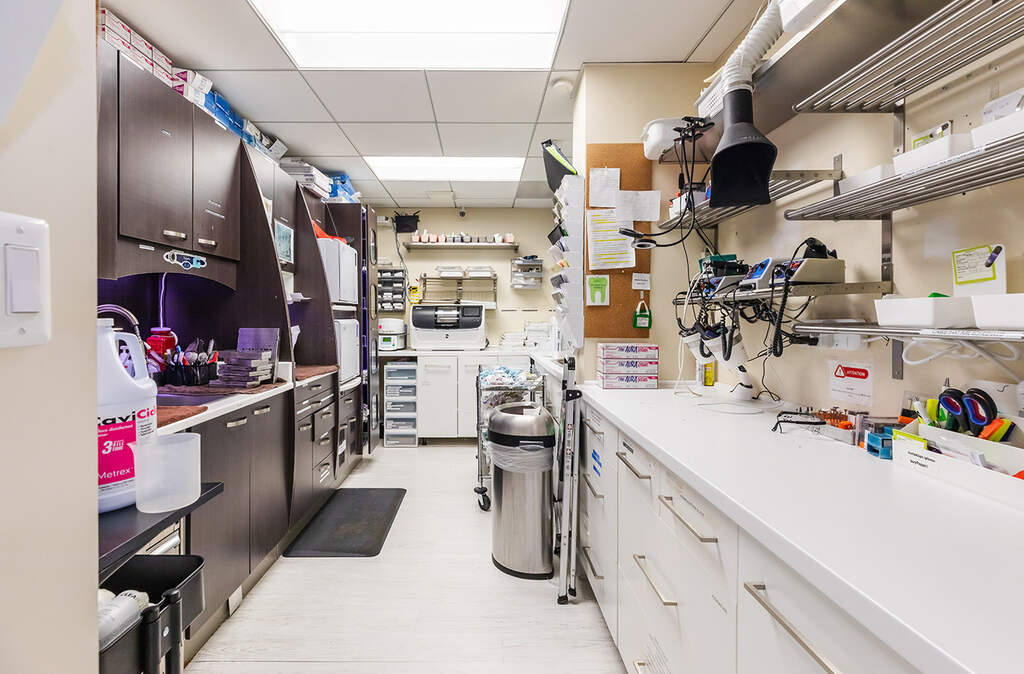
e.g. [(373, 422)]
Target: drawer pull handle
[(632, 468), (315, 387), (590, 486), (324, 441), (325, 474), (261, 410), (641, 561), (639, 666), (209, 243), (214, 214), (171, 234), (306, 427), (670, 504), (593, 429), (590, 562), (348, 401), (171, 543), (236, 423), (757, 591)]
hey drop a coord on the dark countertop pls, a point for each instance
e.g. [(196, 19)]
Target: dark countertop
[(303, 372), (125, 531)]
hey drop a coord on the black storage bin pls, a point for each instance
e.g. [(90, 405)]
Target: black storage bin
[(174, 584)]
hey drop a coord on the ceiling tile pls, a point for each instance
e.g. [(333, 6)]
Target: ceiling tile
[(533, 189), (560, 133), (558, 100), (192, 34), (533, 203), (611, 31), (371, 189), (354, 167), (734, 21), (381, 202), (485, 140), (485, 189), (269, 95), (486, 96), (484, 203), (382, 140), (310, 138), (534, 169), (373, 95), (413, 202), (415, 189)]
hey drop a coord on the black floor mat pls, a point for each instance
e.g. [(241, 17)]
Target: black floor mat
[(353, 523)]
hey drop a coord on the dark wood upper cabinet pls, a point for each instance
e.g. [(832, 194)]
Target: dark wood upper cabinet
[(285, 194), (154, 159), (216, 188)]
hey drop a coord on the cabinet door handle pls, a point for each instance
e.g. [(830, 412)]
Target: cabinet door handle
[(236, 423), (302, 410), (348, 401), (306, 427), (632, 468), (172, 542), (590, 486), (209, 243), (324, 441), (590, 563), (670, 504), (214, 213), (261, 410), (757, 591), (326, 413), (214, 203), (171, 234), (593, 429), (641, 561), (639, 666), (325, 474), (315, 387)]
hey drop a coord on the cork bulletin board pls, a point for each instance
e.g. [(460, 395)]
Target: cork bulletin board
[(615, 321)]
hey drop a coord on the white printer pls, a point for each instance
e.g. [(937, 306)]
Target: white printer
[(448, 327)]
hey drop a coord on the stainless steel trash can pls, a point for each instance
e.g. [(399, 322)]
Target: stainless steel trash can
[(520, 441)]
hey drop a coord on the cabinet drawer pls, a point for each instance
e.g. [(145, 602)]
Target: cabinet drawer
[(323, 476), (324, 445), (637, 474), (641, 650), (304, 394), (348, 403), (786, 626), (324, 421)]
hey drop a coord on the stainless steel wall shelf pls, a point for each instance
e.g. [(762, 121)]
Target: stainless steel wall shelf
[(951, 38), (874, 330), (409, 245), (809, 290)]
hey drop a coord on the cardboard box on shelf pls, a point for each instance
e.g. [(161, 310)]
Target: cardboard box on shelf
[(115, 38), (627, 350), (188, 91), (628, 380), (277, 149), (161, 61), (140, 57), (627, 366), (143, 44), (109, 20), (193, 79), (163, 76)]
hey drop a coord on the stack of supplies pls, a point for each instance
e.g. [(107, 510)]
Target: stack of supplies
[(243, 369), (308, 176), (627, 365), (537, 333)]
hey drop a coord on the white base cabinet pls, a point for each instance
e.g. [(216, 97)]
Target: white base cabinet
[(437, 394), (684, 591), (822, 632)]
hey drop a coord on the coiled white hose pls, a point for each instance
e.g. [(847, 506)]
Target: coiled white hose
[(738, 71)]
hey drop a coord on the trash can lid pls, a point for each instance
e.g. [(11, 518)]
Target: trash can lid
[(512, 424)]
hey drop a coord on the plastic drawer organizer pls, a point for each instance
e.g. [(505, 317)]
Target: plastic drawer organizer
[(400, 404), (175, 584)]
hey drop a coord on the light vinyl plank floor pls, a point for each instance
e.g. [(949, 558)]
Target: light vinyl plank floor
[(432, 601)]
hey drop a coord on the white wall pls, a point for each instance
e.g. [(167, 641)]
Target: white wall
[(48, 401), (529, 225)]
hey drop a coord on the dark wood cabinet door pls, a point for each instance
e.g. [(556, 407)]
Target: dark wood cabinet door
[(271, 477), (302, 466), (154, 159), (219, 530), (216, 187)]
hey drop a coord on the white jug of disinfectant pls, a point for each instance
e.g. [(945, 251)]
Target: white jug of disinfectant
[(127, 413)]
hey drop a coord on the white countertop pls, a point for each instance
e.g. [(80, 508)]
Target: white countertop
[(229, 403), (935, 571), (547, 363)]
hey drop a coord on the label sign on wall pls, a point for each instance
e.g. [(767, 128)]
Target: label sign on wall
[(850, 382), (641, 281)]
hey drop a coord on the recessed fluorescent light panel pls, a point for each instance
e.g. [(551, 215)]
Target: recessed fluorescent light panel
[(417, 34), (446, 168)]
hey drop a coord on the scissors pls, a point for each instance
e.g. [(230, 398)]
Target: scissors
[(973, 410)]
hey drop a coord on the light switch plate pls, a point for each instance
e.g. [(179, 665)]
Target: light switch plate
[(25, 301)]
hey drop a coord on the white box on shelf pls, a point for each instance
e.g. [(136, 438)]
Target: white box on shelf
[(865, 178), (194, 79), (161, 61), (934, 152), (999, 129), (143, 59), (627, 350), (627, 366), (142, 44), (925, 312), (164, 76), (999, 312), (628, 380), (109, 20), (116, 39)]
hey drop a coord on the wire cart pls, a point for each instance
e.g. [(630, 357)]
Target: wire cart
[(489, 397)]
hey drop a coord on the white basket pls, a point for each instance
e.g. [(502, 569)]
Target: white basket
[(999, 312), (934, 152), (998, 129), (925, 312)]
